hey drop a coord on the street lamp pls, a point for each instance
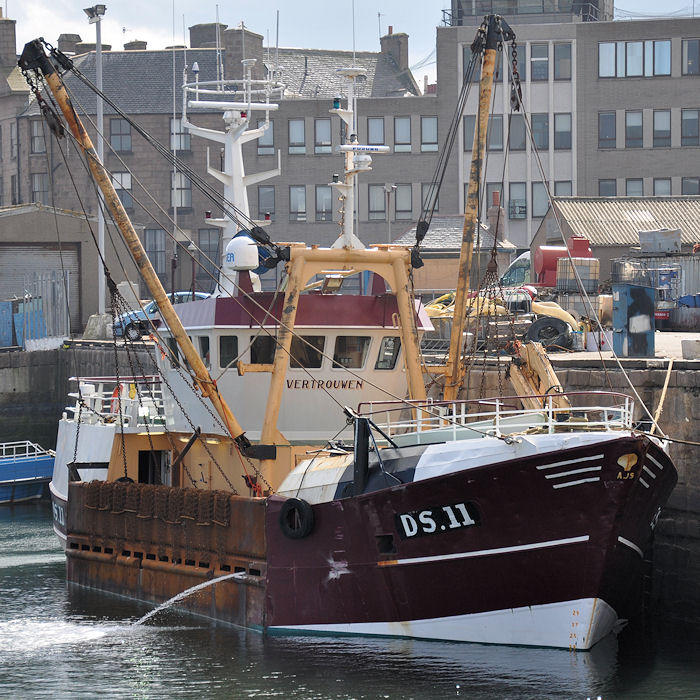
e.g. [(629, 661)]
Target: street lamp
[(389, 189), (95, 15)]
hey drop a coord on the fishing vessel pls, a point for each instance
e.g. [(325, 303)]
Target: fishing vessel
[(25, 470), (512, 520)]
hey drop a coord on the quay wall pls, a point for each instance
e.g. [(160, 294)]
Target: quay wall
[(34, 388)]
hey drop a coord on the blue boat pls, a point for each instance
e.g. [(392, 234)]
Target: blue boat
[(25, 471)]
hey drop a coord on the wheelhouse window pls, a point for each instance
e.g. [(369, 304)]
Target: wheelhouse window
[(228, 350), (322, 135), (607, 130), (297, 203), (388, 352), (691, 57), (402, 134), (428, 134), (690, 134), (375, 131), (262, 349), (204, 350), (324, 203), (307, 351), (120, 135), (297, 138), (266, 143), (350, 351)]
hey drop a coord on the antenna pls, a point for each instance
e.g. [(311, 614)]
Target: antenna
[(353, 32), (277, 44)]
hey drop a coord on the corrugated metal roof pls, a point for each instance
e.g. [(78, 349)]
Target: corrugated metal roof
[(445, 233), (616, 221)]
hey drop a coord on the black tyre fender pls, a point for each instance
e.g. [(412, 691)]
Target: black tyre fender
[(550, 332), (296, 518), (133, 331)]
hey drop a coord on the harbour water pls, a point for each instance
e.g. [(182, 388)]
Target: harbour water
[(66, 642)]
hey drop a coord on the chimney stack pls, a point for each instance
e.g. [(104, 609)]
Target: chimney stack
[(396, 46), (135, 45), (8, 48), (68, 42)]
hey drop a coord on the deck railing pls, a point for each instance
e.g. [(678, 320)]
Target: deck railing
[(498, 417), (131, 401), (22, 449)]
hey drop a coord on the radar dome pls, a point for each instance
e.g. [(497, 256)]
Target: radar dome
[(241, 253)]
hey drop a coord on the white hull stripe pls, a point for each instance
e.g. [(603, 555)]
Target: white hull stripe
[(485, 552), (649, 472), (660, 466), (571, 461), (643, 483), (576, 483), (631, 545), (548, 625), (573, 471)]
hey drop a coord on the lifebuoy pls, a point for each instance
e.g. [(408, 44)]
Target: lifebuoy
[(114, 404), (296, 518)]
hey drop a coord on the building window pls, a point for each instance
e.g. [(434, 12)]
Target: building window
[(607, 188), (633, 130), (691, 57), (208, 258), (1, 142), (562, 61), (689, 127), (562, 132), (540, 200), (634, 187), (662, 187), (266, 203), (494, 133), (297, 139), (377, 202), (428, 134), (179, 136), (322, 136), (403, 202), (469, 124), (539, 62), (122, 184), (13, 139), (402, 134), (38, 143), (2, 193), (13, 190), (517, 204), (690, 185), (563, 188), (324, 202), (607, 130), (427, 191), (375, 131), (266, 142), (540, 131), (516, 135), (40, 188), (297, 203), (181, 193), (120, 135), (634, 59), (662, 128), (154, 243)]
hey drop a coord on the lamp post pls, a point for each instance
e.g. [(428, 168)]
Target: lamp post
[(192, 248), (95, 15), (389, 189)]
